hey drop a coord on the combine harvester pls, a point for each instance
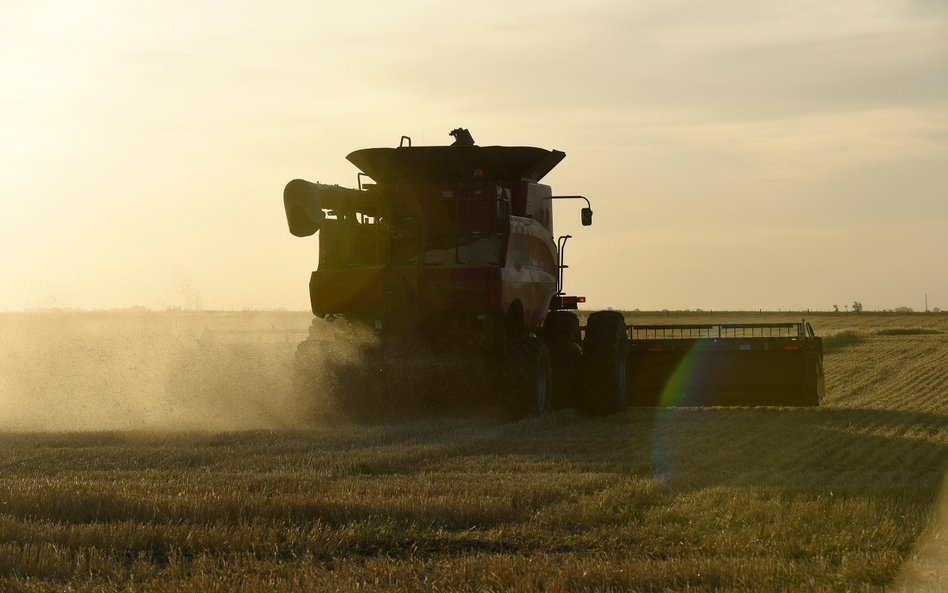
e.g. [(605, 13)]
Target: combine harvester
[(447, 263)]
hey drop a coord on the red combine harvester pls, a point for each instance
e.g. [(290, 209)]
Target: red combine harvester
[(448, 263)]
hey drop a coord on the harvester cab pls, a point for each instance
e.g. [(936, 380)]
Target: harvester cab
[(451, 252)]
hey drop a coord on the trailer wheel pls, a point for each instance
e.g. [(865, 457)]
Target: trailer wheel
[(605, 363), (562, 337), (526, 377)]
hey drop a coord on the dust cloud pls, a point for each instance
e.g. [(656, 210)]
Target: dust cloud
[(357, 377), (130, 370)]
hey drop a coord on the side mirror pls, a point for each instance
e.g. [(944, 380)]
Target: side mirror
[(587, 216)]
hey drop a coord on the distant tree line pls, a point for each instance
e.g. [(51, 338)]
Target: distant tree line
[(857, 307)]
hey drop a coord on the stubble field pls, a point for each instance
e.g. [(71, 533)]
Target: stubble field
[(165, 452)]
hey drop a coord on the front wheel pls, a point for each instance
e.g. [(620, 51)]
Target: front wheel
[(526, 377), (605, 363), (562, 337)]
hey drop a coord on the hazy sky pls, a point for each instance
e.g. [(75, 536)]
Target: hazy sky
[(739, 154)]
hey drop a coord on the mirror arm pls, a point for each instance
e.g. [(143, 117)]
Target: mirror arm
[(588, 205), (587, 211)]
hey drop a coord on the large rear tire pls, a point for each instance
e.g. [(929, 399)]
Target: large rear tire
[(334, 374), (605, 363), (526, 377), (562, 337), (304, 368)]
